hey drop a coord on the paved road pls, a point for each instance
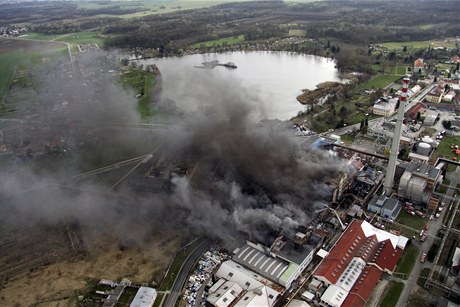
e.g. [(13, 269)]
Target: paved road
[(181, 278)]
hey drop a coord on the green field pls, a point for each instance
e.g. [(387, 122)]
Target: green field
[(72, 38), (8, 65), (406, 262), (141, 82), (222, 41), (411, 221), (449, 43), (444, 149), (389, 69), (153, 6), (19, 56), (392, 295), (379, 81), (41, 36), (83, 38)]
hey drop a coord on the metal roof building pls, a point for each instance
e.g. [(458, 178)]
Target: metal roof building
[(145, 297), (259, 262)]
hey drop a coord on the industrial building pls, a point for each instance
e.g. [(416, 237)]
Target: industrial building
[(385, 106), (145, 297), (349, 273), (258, 274), (386, 207), (255, 289), (387, 130), (418, 181)]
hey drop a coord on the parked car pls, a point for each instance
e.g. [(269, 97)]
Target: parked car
[(423, 258)]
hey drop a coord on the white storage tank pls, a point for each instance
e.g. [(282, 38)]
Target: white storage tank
[(423, 149), (427, 140)]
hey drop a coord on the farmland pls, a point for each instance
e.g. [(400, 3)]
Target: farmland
[(223, 41), (447, 43), (22, 55)]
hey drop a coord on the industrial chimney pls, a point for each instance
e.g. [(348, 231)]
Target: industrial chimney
[(390, 175)]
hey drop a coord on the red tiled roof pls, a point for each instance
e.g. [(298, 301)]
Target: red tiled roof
[(363, 288), (354, 243), (329, 267), (412, 112), (388, 257), (419, 63)]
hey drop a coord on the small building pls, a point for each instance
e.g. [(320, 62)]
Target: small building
[(386, 207), (385, 106), (419, 66), (430, 117), (435, 95), (145, 297)]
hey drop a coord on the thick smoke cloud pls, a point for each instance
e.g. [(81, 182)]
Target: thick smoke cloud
[(246, 179)]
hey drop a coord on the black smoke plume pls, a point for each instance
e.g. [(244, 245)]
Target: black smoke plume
[(244, 177)]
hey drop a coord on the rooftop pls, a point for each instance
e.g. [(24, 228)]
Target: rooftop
[(259, 262), (294, 252), (363, 240)]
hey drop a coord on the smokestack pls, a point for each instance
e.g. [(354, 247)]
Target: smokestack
[(390, 175)]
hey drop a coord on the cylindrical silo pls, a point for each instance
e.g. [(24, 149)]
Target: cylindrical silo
[(423, 149)]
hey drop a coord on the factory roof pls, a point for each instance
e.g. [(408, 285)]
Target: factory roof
[(420, 167), (259, 262), (334, 296), (145, 297), (362, 290), (296, 253), (363, 240), (225, 294), (291, 270), (248, 280), (257, 297)]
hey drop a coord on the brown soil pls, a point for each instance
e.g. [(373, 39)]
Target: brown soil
[(61, 283), (322, 89)]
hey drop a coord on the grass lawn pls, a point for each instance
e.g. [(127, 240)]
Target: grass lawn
[(412, 221), (127, 297), (22, 55), (444, 149), (296, 32), (158, 300), (141, 82), (71, 38), (8, 64), (380, 81), (406, 262), (423, 276), (389, 69), (391, 297), (40, 36), (226, 40), (449, 43), (82, 38)]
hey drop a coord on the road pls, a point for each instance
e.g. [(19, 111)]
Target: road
[(187, 266)]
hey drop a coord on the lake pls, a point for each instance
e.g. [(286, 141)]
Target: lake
[(269, 81)]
